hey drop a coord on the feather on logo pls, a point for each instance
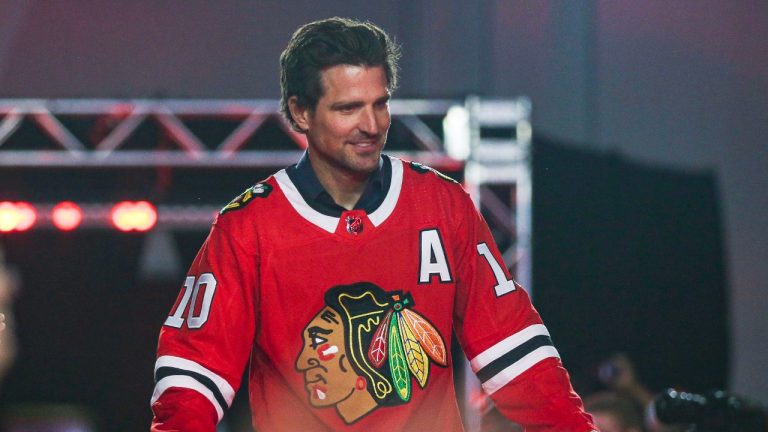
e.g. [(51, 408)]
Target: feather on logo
[(409, 341)]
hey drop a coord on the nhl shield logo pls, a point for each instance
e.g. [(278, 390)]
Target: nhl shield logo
[(354, 225)]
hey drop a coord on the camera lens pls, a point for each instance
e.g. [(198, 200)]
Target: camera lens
[(674, 407)]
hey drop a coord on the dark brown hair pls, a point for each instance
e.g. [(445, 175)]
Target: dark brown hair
[(319, 45)]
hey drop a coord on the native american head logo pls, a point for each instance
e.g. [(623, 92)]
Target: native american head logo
[(365, 348)]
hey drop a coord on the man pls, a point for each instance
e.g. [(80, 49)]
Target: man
[(341, 278)]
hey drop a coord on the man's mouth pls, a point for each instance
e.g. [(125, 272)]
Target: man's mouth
[(319, 391), (364, 142)]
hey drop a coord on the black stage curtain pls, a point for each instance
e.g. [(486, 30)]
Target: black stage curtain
[(630, 258), (87, 326), (79, 318)]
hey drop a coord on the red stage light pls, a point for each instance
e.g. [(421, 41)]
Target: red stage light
[(9, 216), (134, 216), (67, 216), (19, 216)]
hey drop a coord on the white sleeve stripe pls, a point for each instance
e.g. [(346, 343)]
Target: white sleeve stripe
[(225, 389), (489, 355), (505, 376), (188, 383)]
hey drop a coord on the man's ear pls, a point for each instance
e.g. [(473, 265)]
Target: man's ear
[(300, 113)]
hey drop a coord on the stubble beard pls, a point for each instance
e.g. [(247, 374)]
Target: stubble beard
[(356, 165), (348, 161)]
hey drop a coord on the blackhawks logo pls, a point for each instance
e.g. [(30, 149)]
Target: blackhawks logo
[(367, 348), (258, 190)]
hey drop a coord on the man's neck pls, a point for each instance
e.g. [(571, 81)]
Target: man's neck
[(344, 187)]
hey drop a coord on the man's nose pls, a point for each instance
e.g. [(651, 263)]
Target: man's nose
[(369, 122)]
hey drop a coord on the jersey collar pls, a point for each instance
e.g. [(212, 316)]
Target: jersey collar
[(379, 207), (303, 176)]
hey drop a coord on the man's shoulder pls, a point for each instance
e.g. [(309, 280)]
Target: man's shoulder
[(432, 189), (259, 191), (427, 174), (256, 202), (428, 180)]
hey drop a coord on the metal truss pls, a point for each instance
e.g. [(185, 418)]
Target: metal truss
[(492, 137), (116, 123), (498, 176)]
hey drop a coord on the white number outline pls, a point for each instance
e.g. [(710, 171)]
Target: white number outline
[(503, 285), (191, 291)]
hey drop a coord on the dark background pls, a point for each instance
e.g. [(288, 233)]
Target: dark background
[(675, 91)]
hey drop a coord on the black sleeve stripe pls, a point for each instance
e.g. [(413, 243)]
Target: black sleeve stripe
[(512, 357), (166, 371)]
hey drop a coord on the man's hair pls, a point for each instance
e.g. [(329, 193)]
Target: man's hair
[(319, 45)]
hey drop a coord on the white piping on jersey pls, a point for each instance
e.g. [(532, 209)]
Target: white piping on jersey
[(329, 223), (513, 371), (325, 222), (506, 345), (225, 389), (390, 201)]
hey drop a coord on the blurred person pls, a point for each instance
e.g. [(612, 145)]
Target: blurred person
[(341, 278), (7, 334), (614, 412), (618, 374), (48, 418)]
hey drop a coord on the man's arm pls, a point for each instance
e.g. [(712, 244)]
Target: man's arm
[(509, 348), (206, 340)]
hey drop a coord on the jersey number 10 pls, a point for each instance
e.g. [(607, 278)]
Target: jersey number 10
[(195, 318)]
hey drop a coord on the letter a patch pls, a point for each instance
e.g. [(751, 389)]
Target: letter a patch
[(432, 258)]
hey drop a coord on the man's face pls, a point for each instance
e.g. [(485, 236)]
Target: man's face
[(328, 375), (348, 128)]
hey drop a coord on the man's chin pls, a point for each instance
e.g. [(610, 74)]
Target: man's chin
[(368, 161)]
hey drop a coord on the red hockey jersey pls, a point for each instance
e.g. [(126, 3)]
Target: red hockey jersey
[(347, 321)]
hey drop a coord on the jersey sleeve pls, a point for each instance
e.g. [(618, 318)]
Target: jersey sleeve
[(503, 336), (206, 340)]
